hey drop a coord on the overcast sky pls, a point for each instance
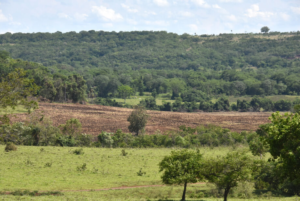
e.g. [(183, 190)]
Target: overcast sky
[(178, 16)]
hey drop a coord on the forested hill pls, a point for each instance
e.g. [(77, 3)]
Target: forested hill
[(231, 64)]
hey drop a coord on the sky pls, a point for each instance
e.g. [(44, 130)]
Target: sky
[(177, 16)]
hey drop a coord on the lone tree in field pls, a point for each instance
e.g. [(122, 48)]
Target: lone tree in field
[(125, 91), (15, 89), (226, 172), (181, 167), (138, 119), (265, 29)]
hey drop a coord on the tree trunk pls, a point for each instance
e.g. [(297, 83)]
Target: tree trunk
[(184, 190), (226, 193)]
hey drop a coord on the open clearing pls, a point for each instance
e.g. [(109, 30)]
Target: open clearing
[(97, 118), (59, 169), (28, 169)]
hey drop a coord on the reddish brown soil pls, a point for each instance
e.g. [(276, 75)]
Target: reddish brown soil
[(96, 118)]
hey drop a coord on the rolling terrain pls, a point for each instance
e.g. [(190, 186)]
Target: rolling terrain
[(96, 118)]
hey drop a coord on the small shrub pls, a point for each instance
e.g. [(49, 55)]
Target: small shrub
[(10, 147), (78, 151), (42, 150), (35, 193), (140, 172), (95, 171), (81, 167), (48, 164), (28, 162), (124, 153)]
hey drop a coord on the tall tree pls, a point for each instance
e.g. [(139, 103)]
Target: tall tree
[(125, 91), (226, 172), (137, 119), (181, 167), (15, 89), (265, 29)]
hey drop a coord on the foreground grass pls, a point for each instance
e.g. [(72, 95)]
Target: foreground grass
[(18, 109), (55, 168), (135, 100)]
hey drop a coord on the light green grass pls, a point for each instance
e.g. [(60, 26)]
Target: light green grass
[(25, 168), (167, 193), (233, 99), (9, 110), (135, 100)]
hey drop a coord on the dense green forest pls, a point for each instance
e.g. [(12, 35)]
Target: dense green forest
[(195, 68)]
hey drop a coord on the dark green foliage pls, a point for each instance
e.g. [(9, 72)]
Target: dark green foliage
[(166, 107), (137, 119), (48, 164), (186, 137), (149, 103), (35, 193), (190, 67), (124, 153), (227, 171), (181, 167), (141, 172), (10, 147), (78, 151), (82, 167), (107, 102)]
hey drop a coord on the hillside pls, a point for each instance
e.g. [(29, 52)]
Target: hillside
[(96, 119), (195, 68)]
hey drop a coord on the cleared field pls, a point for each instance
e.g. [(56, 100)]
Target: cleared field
[(96, 118), (108, 174), (56, 168)]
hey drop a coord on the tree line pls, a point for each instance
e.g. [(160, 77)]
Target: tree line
[(207, 65)]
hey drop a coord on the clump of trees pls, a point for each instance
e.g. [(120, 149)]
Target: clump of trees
[(138, 120)]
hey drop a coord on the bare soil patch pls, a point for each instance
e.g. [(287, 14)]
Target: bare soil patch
[(97, 118)]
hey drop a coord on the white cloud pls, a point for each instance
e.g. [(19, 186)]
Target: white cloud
[(254, 12), (106, 13), (161, 2), (131, 10), (285, 16), (201, 3), (157, 23), (296, 10), (193, 27), (216, 6), (233, 1), (2, 17), (232, 17), (131, 21), (80, 17), (186, 14), (63, 15)]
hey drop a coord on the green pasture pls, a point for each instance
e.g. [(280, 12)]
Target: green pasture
[(46, 169), (27, 167), (135, 100), (9, 110), (233, 99)]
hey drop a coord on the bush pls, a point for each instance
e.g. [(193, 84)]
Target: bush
[(124, 153), (81, 167), (10, 147), (78, 151), (140, 172)]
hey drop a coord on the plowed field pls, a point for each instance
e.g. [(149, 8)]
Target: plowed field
[(96, 118)]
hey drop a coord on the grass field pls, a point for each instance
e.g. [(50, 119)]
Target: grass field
[(27, 167), (18, 109), (135, 100), (233, 99), (57, 169)]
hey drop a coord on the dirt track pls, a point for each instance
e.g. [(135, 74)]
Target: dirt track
[(96, 118)]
